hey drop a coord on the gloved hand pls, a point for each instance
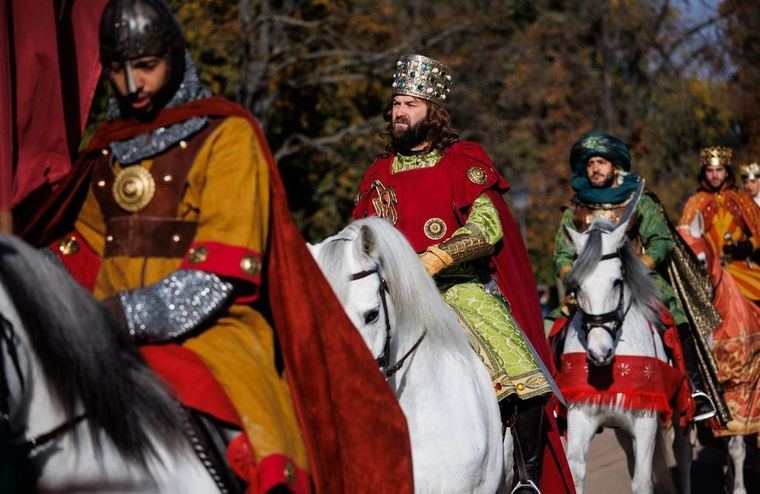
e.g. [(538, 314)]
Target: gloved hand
[(738, 251), (435, 260)]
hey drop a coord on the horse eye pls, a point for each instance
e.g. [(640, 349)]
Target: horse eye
[(371, 316), (618, 282)]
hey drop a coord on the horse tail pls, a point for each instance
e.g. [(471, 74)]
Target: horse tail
[(87, 358)]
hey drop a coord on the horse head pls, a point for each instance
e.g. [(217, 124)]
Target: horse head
[(598, 282), (355, 269)]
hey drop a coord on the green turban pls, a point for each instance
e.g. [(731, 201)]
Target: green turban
[(596, 143)]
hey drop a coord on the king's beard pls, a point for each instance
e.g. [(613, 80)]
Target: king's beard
[(405, 139)]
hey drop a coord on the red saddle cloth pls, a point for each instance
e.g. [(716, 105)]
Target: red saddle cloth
[(631, 382)]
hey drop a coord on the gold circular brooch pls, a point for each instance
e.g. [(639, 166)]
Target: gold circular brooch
[(477, 175), (133, 188), (435, 228)]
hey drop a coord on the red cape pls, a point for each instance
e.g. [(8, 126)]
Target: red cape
[(353, 427)]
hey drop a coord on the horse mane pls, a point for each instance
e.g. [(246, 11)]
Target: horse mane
[(408, 284), (644, 293), (86, 357)]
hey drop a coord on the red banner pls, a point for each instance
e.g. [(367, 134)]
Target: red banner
[(49, 69)]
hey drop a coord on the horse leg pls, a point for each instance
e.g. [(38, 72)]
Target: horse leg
[(682, 450), (581, 427), (644, 431), (738, 451), (625, 440)]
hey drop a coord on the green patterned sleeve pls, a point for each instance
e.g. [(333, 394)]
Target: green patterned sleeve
[(653, 231), (564, 252), (483, 221)]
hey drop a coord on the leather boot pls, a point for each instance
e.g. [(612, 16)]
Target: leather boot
[(704, 407), (526, 422)]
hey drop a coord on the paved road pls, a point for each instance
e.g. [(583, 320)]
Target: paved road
[(608, 472)]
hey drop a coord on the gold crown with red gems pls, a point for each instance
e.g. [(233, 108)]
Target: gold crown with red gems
[(751, 171), (715, 156), (422, 77)]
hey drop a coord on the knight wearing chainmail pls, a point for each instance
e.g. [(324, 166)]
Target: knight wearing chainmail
[(604, 184), (172, 232), (444, 195)]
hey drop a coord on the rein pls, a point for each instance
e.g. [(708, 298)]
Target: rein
[(383, 360), (8, 339), (615, 316)]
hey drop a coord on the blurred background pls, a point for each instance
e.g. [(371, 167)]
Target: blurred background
[(531, 76)]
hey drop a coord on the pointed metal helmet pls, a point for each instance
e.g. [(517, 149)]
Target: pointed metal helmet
[(131, 29)]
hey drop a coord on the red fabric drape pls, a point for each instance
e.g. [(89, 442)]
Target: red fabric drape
[(49, 70), (353, 426)]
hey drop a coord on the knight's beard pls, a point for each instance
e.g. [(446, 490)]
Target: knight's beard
[(608, 181), (403, 140), (716, 188)]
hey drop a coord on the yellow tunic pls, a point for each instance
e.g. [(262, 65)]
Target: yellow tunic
[(227, 194)]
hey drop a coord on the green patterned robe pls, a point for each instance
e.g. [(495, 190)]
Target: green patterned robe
[(469, 291)]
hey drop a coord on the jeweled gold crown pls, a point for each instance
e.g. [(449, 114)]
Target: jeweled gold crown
[(751, 171), (422, 77), (715, 156)]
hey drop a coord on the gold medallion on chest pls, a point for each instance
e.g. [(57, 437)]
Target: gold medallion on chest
[(133, 188), (435, 228)]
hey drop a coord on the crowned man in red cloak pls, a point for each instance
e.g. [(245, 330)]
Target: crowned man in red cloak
[(175, 216), (444, 195)]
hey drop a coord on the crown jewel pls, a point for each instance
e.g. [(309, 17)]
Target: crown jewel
[(422, 77), (751, 171), (715, 156)]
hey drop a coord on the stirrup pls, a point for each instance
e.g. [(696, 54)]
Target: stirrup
[(707, 415), (528, 484)]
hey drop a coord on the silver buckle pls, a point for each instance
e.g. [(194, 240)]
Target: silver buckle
[(706, 415)]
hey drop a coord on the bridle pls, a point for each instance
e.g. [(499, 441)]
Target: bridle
[(383, 361), (615, 316), (8, 339)]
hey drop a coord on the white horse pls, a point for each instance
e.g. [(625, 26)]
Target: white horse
[(617, 316), (442, 386), (84, 413)]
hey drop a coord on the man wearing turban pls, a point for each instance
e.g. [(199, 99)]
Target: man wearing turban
[(604, 185)]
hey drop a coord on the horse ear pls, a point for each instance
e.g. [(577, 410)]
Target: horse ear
[(367, 241), (697, 226), (574, 237), (616, 236)]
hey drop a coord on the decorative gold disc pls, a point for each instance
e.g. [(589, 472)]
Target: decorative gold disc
[(435, 228), (133, 188), (477, 175)]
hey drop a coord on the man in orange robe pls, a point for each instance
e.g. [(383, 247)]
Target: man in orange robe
[(731, 219)]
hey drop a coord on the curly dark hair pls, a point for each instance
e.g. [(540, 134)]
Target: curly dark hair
[(440, 133), (704, 184)]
